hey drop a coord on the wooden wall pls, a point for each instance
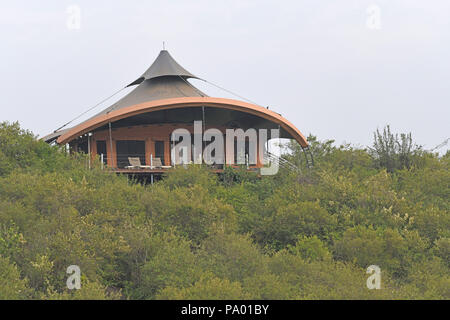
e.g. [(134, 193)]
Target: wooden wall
[(147, 133)]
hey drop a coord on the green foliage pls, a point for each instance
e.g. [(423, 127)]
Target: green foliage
[(172, 265), (393, 152), (89, 291), (310, 249), (199, 235), (442, 249), (432, 223), (11, 240), (269, 286), (294, 219), (386, 248), (192, 210), (231, 256), (196, 175), (429, 280), (231, 176), (206, 289), (18, 148), (12, 286), (326, 280)]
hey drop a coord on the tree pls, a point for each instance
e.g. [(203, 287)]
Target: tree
[(206, 289), (12, 287), (194, 235), (393, 152)]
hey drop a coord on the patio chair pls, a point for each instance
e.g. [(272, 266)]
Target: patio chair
[(157, 163), (135, 163)]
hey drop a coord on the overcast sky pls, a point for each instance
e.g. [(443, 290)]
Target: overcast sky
[(337, 69)]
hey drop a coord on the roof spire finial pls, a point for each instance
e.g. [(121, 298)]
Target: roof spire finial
[(164, 45)]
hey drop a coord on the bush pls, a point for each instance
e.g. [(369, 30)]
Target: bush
[(206, 289), (194, 235), (393, 152), (303, 218), (12, 287)]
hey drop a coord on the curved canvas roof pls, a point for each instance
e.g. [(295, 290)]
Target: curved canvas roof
[(54, 135), (156, 89), (175, 103), (164, 85), (164, 79)]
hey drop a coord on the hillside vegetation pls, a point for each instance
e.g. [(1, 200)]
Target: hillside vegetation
[(197, 235)]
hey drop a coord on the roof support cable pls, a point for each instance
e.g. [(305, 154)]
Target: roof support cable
[(82, 114), (190, 84), (443, 144), (231, 92)]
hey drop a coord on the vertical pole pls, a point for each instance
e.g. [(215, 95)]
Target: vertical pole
[(172, 152), (101, 160), (203, 129), (110, 145), (89, 150), (279, 140)]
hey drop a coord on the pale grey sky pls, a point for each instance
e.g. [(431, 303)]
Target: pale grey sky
[(322, 64)]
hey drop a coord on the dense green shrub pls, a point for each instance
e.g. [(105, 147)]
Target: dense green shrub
[(198, 235)]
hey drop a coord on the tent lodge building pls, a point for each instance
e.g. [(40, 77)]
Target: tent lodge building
[(133, 135)]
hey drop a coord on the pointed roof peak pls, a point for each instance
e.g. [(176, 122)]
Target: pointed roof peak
[(164, 65)]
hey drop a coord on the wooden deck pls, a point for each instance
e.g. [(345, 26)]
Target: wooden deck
[(162, 171)]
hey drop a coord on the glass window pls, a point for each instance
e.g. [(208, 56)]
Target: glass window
[(159, 150), (129, 148), (101, 149)]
